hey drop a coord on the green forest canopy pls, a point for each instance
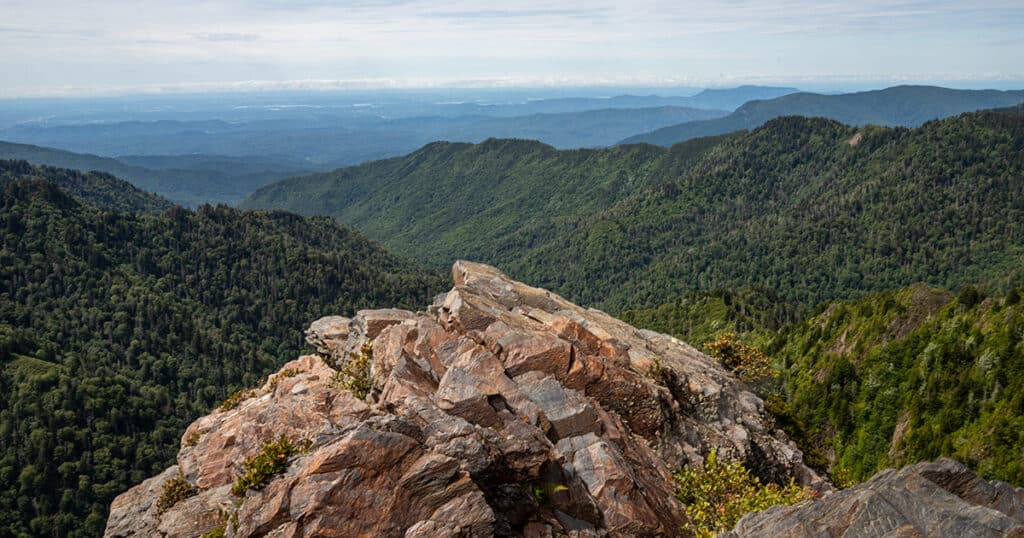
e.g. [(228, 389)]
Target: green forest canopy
[(117, 330)]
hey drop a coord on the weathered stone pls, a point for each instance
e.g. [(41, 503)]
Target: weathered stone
[(501, 410), (625, 505), (937, 499), (195, 516), (465, 516), (569, 413), (133, 513), (524, 351), (372, 322), (298, 402), (328, 334)]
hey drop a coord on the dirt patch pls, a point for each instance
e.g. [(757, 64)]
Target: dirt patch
[(855, 140), (902, 426)]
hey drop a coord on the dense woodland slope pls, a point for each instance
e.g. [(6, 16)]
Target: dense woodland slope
[(890, 379), (907, 106), (117, 330), (808, 208), (910, 375)]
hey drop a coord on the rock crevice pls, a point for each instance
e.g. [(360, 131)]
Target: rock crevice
[(501, 409)]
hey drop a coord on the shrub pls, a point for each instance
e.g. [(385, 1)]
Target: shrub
[(355, 375), (284, 374), (235, 399), (744, 360), (175, 490), (718, 494), (969, 296), (272, 460), (193, 439)]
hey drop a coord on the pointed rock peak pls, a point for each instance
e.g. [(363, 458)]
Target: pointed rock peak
[(501, 409)]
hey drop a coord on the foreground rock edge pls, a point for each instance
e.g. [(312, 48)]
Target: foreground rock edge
[(931, 499), (501, 409)]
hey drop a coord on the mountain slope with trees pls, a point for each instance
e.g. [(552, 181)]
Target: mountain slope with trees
[(809, 208), (890, 379), (117, 330), (96, 188), (911, 375), (907, 106)]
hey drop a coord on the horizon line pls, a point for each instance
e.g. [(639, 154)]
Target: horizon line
[(805, 82)]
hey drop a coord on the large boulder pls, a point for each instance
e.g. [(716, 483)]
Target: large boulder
[(939, 499), (501, 409)]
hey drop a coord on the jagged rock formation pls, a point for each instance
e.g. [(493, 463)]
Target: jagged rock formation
[(500, 410), (939, 499)]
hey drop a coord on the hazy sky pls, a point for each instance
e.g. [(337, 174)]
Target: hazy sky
[(102, 46)]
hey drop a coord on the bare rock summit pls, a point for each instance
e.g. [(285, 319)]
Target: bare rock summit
[(500, 410)]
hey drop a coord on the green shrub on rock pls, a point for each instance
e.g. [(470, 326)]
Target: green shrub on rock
[(719, 493), (174, 491), (258, 470)]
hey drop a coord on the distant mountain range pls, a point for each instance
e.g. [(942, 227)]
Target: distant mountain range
[(189, 180), (907, 106), (328, 142), (714, 99), (809, 207), (233, 150)]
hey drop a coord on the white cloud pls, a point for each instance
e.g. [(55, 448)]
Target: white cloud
[(122, 44)]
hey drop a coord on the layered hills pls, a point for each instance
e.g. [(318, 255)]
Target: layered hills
[(97, 188), (125, 318), (907, 106), (809, 208), (119, 329), (190, 180)]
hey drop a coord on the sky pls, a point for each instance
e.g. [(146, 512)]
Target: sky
[(101, 47)]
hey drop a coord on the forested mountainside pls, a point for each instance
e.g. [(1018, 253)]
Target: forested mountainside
[(889, 379), (757, 314), (907, 106), (809, 208), (97, 188), (910, 375), (117, 330)]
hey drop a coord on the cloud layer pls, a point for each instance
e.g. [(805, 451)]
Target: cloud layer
[(67, 46)]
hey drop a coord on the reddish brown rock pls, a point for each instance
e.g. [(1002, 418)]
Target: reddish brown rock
[(133, 513), (501, 410), (298, 402), (328, 334), (937, 499)]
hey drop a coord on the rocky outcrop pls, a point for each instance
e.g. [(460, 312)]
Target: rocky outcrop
[(501, 409), (939, 499)]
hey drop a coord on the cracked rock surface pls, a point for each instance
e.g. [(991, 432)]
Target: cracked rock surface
[(501, 409), (936, 499)]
